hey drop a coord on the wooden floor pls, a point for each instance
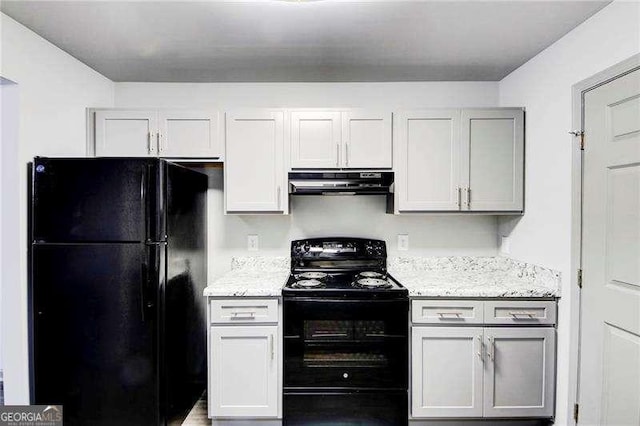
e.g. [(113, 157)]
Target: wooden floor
[(198, 414)]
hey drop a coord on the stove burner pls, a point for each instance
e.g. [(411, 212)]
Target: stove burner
[(308, 284), (312, 275), (372, 283), (370, 274)]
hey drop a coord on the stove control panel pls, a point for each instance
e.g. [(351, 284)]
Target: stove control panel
[(342, 248)]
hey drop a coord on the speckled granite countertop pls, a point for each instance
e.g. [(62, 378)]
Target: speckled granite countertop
[(252, 276), (466, 276), (456, 276)]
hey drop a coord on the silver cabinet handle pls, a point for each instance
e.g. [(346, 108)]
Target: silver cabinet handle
[(337, 155), (160, 147), (346, 148), (149, 147), (516, 315), (469, 197), (446, 314), (459, 190), (480, 344), (243, 315), (271, 346), (491, 351)]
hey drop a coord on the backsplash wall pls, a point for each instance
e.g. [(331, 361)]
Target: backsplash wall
[(353, 216)]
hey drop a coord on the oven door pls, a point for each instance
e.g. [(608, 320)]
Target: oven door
[(346, 344)]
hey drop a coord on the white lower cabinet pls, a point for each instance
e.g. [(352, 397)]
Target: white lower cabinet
[(447, 371), (519, 373), (245, 359), (482, 372), (244, 371)]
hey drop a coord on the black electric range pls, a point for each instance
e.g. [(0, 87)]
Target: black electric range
[(346, 335), (341, 267)]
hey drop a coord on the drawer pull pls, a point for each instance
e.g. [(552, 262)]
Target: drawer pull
[(518, 315), (449, 314), (243, 315)]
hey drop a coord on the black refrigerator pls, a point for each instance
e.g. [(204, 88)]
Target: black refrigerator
[(117, 266)]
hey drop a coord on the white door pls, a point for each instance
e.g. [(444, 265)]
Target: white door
[(126, 133), (366, 138), (610, 341), (446, 378), (243, 371), (254, 161), (493, 159), (188, 133), (520, 372), (427, 160), (315, 139)]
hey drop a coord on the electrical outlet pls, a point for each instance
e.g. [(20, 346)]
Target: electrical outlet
[(252, 242), (403, 242), (505, 245)]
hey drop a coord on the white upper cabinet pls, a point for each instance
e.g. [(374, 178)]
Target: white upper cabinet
[(520, 375), (254, 163), (315, 139), (427, 160), (126, 133), (460, 160), (493, 159), (354, 139), (157, 133), (188, 133), (366, 139)]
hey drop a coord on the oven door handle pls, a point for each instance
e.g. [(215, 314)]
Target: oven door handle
[(293, 336), (317, 335)]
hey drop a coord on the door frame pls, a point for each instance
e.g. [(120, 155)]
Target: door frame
[(578, 92)]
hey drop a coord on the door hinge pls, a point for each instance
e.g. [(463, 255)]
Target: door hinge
[(580, 278), (580, 134), (576, 411)]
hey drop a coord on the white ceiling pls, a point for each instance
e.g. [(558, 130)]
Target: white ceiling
[(269, 40)]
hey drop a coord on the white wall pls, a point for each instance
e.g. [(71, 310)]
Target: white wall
[(321, 216), (54, 90), (543, 85), (9, 257)]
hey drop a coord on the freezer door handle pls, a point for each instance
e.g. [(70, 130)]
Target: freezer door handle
[(147, 280)]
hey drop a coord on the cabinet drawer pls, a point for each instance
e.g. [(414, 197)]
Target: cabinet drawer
[(446, 312), (519, 312), (243, 311)]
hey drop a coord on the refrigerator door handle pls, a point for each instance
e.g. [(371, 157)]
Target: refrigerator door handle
[(143, 201), (143, 290)]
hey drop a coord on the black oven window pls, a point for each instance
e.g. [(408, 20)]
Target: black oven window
[(334, 343)]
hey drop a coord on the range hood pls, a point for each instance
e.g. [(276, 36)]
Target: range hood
[(340, 183)]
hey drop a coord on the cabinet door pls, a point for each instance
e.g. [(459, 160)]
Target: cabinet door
[(315, 139), (366, 139), (446, 372), (243, 373), (188, 134), (520, 373), (254, 167), (493, 159), (126, 133), (427, 155)]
